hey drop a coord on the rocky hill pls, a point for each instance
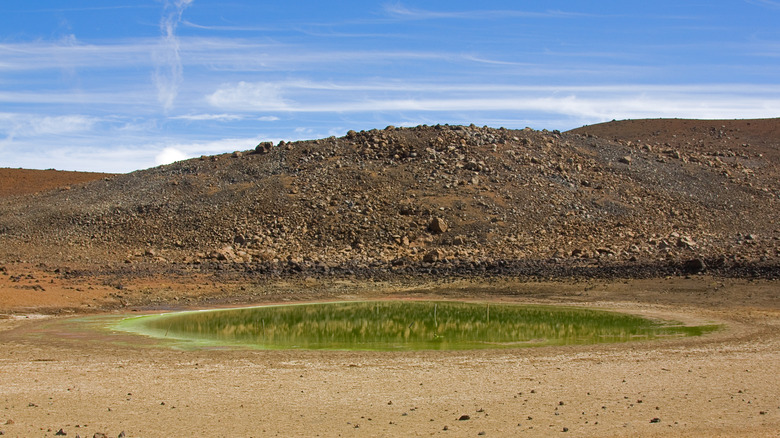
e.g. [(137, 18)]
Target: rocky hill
[(642, 197)]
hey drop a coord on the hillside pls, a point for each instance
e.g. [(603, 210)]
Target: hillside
[(642, 197)]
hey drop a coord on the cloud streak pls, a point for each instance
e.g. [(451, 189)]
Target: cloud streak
[(772, 4), (582, 102), (398, 10), (206, 117), (168, 75), (14, 125), (88, 153)]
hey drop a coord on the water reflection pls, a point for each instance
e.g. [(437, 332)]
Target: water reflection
[(389, 325)]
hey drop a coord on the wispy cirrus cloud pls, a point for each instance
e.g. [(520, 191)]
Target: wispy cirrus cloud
[(773, 4), (81, 8), (14, 125), (204, 117), (88, 152), (249, 96), (398, 10), (92, 97), (43, 55), (168, 75), (171, 54), (227, 28), (581, 102)]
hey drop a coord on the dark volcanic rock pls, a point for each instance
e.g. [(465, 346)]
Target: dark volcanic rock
[(694, 266)]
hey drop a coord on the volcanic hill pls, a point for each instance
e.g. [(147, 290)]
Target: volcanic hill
[(629, 198)]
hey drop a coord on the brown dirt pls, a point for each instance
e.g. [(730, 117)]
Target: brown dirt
[(341, 223), (28, 181), (761, 135), (59, 374)]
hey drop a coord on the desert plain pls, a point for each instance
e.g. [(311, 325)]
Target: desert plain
[(666, 219)]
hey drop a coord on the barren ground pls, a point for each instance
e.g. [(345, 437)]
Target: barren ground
[(350, 219), (59, 375), (26, 181)]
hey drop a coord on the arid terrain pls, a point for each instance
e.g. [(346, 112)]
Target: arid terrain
[(674, 219)]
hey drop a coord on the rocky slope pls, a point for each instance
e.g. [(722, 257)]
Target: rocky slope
[(626, 198)]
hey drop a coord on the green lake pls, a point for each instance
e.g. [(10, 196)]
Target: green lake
[(402, 325)]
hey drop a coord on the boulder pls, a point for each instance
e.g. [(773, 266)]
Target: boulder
[(437, 226), (264, 147), (694, 266), (225, 253), (432, 256)]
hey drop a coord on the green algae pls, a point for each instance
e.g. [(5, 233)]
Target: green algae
[(403, 326)]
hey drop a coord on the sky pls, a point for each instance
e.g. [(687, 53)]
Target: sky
[(118, 86)]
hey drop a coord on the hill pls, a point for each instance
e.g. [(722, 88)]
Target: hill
[(631, 198)]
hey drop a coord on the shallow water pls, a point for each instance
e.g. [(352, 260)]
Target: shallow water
[(402, 325)]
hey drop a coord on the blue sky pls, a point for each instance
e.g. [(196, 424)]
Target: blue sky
[(124, 85)]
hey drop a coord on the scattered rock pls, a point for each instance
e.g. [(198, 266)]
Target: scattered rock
[(686, 242), (264, 147), (464, 418), (432, 256), (438, 226), (694, 266), (375, 203)]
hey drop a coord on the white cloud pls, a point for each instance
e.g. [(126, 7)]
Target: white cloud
[(90, 154), (772, 4), (398, 10), (202, 117), (27, 125), (168, 75), (41, 55), (168, 156), (589, 102), (245, 96)]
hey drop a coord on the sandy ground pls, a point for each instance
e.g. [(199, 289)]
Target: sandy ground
[(24, 181), (57, 374)]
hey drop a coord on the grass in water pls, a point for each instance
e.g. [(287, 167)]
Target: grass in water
[(404, 325)]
